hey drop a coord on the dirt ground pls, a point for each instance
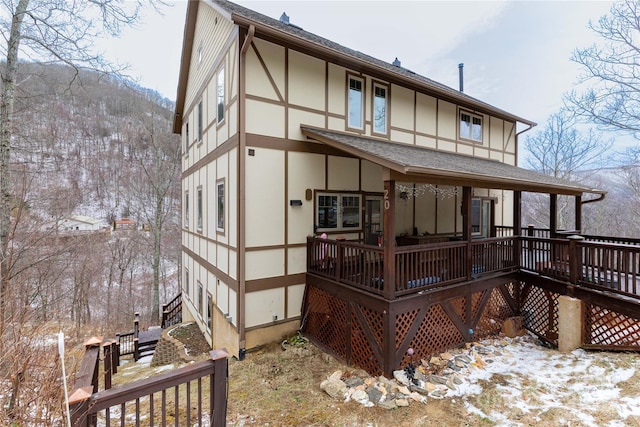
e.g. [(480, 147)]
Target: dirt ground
[(278, 387)]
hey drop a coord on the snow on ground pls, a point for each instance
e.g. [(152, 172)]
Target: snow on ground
[(535, 379)]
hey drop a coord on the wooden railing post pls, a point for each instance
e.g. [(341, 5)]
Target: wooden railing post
[(115, 359), (575, 259), (86, 384), (218, 397), (339, 260), (136, 324), (108, 365), (136, 349)]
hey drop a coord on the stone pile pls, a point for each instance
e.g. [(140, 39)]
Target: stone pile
[(436, 378)]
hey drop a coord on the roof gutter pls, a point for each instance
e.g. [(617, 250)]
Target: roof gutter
[(601, 196)]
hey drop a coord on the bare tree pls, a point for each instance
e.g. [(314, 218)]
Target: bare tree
[(610, 75), (561, 150), (48, 31), (157, 187)]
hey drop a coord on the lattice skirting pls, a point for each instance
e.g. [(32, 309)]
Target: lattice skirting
[(539, 309), (605, 328), (355, 332)]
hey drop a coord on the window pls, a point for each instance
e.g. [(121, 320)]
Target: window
[(355, 104), (186, 138), (220, 206), (470, 126), (338, 211), (220, 95), (186, 281), (209, 310), (199, 208), (379, 109), (200, 298), (200, 121), (186, 209)]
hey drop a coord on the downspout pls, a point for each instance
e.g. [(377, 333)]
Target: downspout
[(242, 142)]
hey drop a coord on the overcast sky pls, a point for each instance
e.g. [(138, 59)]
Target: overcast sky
[(516, 54)]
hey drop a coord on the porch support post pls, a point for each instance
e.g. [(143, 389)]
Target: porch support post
[(553, 215), (578, 224), (517, 226), (467, 228), (389, 244), (389, 240)]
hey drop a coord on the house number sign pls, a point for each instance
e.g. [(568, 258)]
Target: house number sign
[(387, 204)]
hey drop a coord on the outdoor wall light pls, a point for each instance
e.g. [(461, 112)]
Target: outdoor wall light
[(295, 202)]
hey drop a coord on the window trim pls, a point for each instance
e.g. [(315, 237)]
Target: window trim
[(360, 128), (339, 211), (200, 298), (209, 319), (471, 117), (221, 72), (186, 282), (220, 215), (199, 209), (187, 143), (186, 208), (200, 118), (384, 86)]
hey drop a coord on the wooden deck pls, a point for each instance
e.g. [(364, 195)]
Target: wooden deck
[(443, 295)]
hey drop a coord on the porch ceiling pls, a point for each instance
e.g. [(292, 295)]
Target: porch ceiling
[(410, 163)]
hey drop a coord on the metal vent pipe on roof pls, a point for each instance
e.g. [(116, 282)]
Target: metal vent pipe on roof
[(461, 76), (284, 18)]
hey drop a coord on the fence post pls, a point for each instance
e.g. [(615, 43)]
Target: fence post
[(136, 349), (86, 384), (108, 363), (164, 316), (115, 359), (339, 259), (136, 324), (218, 397)]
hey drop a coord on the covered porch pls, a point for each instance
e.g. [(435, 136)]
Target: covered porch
[(369, 303)]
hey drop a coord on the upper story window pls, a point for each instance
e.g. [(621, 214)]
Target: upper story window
[(355, 111), (470, 126), (220, 206), (200, 121), (186, 209), (379, 108), (199, 208), (186, 281), (338, 211), (220, 95), (186, 138)]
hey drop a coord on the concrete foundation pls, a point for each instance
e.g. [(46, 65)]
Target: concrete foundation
[(569, 324)]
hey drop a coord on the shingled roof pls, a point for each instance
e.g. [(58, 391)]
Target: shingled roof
[(292, 35), (411, 163)]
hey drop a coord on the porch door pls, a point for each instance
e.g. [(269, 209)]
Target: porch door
[(481, 214), (372, 219)]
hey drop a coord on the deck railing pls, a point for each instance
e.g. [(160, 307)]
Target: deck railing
[(172, 312), (194, 394), (613, 267)]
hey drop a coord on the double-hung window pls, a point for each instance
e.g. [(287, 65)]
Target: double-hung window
[(200, 124), (186, 208), (379, 108), (470, 126), (186, 138), (185, 285), (338, 212), (200, 298), (209, 310), (199, 209), (220, 206), (355, 111), (220, 95)]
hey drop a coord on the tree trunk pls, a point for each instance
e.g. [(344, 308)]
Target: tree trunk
[(157, 234), (6, 123)]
